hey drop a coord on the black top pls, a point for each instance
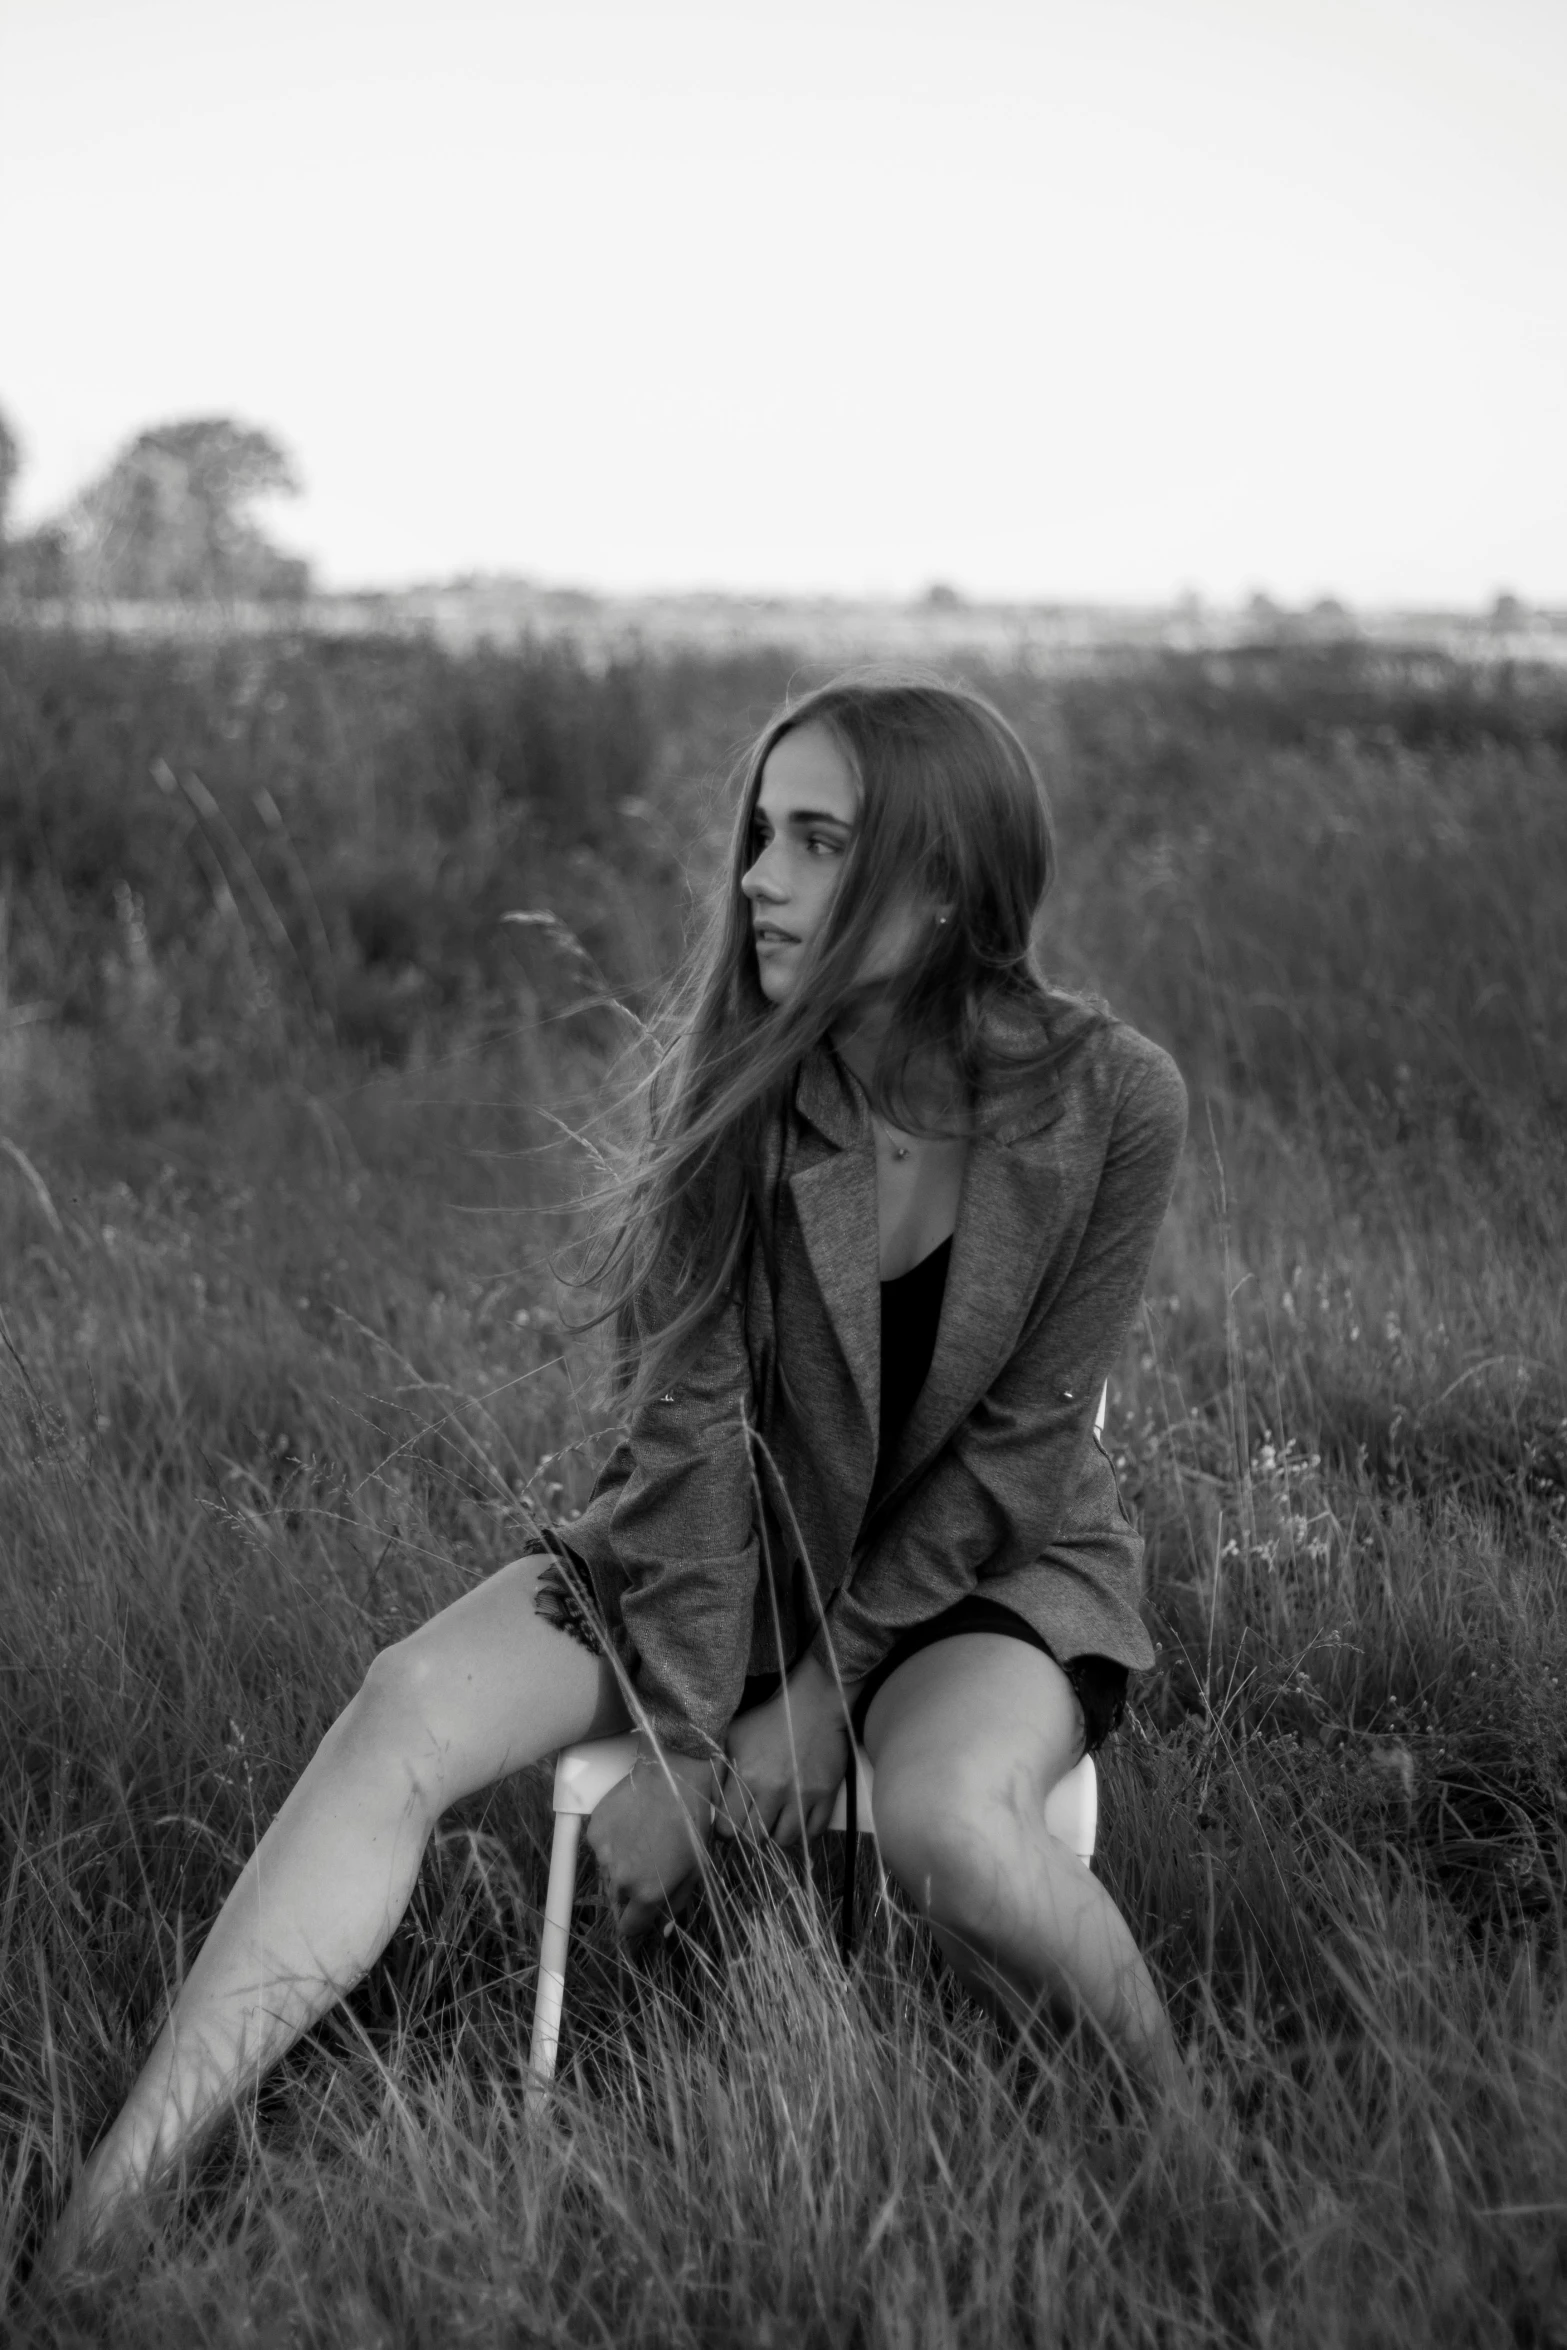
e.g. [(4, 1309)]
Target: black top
[(910, 1312)]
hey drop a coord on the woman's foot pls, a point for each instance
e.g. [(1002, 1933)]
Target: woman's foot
[(98, 2229)]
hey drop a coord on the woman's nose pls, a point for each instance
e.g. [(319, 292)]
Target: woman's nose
[(757, 882)]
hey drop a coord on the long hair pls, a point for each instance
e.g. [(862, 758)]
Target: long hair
[(951, 809)]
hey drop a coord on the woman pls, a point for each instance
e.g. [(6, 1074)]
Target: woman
[(887, 1238)]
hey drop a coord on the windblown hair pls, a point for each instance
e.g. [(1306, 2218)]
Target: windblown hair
[(952, 811)]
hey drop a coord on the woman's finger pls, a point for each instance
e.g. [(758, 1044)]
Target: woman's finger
[(626, 1910), (787, 1831), (729, 1813), (744, 1811), (641, 1912)]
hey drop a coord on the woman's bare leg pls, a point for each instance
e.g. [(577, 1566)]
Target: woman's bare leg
[(966, 1738), (483, 1688)]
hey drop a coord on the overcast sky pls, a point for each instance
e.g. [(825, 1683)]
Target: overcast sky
[(1052, 298)]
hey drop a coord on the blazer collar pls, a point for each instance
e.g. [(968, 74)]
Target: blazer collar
[(829, 1098)]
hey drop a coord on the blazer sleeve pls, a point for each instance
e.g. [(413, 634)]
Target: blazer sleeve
[(678, 1518), (1002, 1489)]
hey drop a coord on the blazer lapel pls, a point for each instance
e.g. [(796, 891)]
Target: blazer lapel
[(834, 1195), (1008, 1220)]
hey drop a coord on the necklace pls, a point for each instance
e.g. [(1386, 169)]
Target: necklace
[(899, 1150)]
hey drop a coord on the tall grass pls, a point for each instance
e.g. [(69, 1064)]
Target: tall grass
[(284, 1367)]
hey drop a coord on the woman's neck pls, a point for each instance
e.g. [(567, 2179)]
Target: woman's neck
[(931, 1089), (857, 1047)]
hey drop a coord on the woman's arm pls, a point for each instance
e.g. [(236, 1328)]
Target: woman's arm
[(1016, 1477)]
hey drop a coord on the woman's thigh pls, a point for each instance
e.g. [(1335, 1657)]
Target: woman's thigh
[(977, 1720), (489, 1685)]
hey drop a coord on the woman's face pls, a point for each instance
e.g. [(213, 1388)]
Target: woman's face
[(800, 833), (804, 819)]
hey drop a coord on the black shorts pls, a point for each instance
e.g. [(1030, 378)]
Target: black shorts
[(1098, 1681)]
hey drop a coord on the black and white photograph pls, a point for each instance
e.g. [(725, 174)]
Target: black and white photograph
[(783, 1175)]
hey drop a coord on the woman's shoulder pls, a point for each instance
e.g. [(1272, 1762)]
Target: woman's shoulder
[(1143, 1075), (1102, 1070)]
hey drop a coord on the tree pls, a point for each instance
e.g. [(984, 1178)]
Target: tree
[(1330, 618), (38, 565), (171, 517), (34, 564), (10, 466)]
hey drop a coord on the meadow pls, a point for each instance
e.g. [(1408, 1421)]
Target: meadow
[(287, 1222)]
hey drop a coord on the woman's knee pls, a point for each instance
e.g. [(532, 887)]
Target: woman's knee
[(482, 1688), (947, 1845), (389, 1717), (393, 1680)]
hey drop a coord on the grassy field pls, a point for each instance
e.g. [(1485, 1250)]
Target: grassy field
[(284, 1364)]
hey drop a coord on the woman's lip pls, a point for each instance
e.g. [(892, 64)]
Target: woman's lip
[(776, 938)]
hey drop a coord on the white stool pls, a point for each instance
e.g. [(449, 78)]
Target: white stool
[(584, 1775)]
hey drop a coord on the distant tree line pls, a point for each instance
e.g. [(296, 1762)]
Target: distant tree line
[(170, 520)]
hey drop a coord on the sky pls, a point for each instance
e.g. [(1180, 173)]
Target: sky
[(1103, 300)]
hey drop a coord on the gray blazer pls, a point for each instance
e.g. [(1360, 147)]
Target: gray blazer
[(725, 1533)]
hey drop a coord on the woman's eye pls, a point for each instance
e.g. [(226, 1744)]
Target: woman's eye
[(819, 840)]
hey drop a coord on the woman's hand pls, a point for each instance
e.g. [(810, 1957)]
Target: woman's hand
[(648, 1838), (769, 1789)]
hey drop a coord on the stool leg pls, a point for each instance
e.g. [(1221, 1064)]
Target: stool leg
[(553, 1938)]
